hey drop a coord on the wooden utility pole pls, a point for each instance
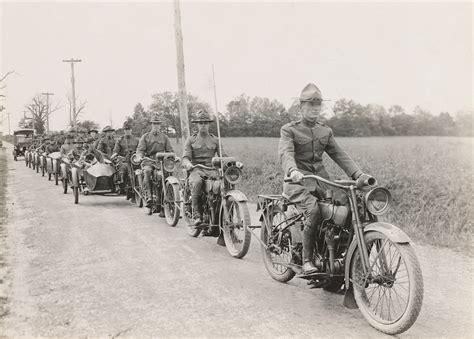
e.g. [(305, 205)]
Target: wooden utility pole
[(47, 110), (72, 119), (8, 114), (182, 96)]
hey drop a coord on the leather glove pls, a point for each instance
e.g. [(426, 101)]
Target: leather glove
[(296, 176), (187, 164)]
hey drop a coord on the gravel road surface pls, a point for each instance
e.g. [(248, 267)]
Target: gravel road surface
[(105, 268)]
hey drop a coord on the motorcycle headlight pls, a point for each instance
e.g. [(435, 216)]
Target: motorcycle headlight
[(378, 200), (169, 164), (233, 174), (133, 160)]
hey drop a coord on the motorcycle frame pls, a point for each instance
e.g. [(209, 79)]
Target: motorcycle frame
[(266, 202)]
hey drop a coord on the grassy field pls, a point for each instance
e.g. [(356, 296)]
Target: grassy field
[(430, 178)]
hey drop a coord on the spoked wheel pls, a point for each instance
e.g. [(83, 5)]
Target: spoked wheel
[(43, 166), (76, 194), (187, 209), (75, 184), (278, 254), (390, 297), (138, 200), (171, 204), (235, 223)]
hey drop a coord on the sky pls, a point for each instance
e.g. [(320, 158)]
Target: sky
[(373, 52)]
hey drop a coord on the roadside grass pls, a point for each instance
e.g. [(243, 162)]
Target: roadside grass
[(430, 178)]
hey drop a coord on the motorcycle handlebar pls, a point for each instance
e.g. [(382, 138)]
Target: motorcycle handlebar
[(363, 181), (203, 167)]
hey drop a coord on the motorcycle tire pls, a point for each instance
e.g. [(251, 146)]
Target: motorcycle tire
[(171, 204), (138, 200), (278, 272), (76, 195), (399, 276), (235, 223)]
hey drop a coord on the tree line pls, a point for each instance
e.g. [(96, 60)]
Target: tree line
[(247, 116)]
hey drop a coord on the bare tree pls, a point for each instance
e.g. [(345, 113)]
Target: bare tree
[(3, 78), (39, 111), (80, 106)]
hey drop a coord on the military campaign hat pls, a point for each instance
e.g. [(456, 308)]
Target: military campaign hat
[(155, 119), (311, 93), (202, 116), (108, 129), (92, 130), (127, 125)]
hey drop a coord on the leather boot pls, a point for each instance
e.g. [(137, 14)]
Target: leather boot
[(309, 238)]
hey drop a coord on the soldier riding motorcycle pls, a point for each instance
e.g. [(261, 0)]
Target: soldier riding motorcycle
[(65, 165), (211, 204), (150, 179), (328, 232), (123, 149)]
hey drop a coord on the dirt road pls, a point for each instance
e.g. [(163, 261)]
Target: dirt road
[(103, 267)]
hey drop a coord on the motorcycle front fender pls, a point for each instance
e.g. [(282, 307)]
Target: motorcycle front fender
[(237, 195), (172, 180), (392, 232)]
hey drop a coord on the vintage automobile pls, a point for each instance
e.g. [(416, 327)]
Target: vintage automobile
[(165, 188), (22, 138)]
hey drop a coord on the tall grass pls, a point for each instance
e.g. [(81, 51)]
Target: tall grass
[(430, 178)]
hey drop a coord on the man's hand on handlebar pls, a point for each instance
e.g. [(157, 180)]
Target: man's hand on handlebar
[(187, 164), (296, 176)]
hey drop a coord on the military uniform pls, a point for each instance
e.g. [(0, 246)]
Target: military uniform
[(151, 143), (200, 149), (124, 147), (52, 147), (301, 147), (106, 145)]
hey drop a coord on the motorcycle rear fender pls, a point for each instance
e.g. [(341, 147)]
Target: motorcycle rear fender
[(172, 180), (392, 232), (237, 195)]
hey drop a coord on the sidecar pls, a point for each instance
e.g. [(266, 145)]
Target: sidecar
[(93, 178)]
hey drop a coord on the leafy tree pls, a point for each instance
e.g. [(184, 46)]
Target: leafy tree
[(88, 125)]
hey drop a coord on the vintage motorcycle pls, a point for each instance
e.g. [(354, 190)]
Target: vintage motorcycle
[(40, 161), (53, 161), (224, 207), (164, 187), (371, 259)]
